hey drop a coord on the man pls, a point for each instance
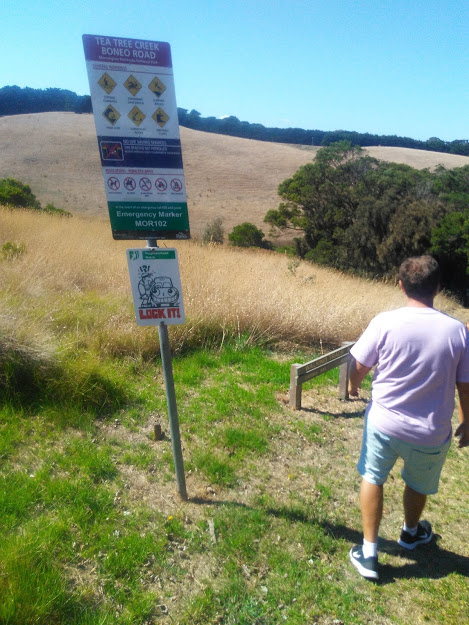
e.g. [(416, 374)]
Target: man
[(420, 356)]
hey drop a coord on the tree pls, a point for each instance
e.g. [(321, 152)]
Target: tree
[(435, 144), (450, 245), (321, 198), (360, 214)]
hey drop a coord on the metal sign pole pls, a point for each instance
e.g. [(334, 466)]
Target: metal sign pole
[(171, 400)]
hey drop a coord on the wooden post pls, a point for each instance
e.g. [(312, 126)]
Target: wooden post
[(295, 388), (343, 377)]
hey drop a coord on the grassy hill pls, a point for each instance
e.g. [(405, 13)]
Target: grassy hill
[(57, 155), (93, 530)]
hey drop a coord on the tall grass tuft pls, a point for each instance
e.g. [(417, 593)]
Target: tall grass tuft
[(27, 350)]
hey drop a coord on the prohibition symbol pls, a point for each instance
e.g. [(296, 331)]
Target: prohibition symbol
[(112, 151), (136, 116), (157, 87), (176, 185), (132, 85), (111, 114), (113, 183), (145, 184), (107, 83), (129, 184), (161, 184)]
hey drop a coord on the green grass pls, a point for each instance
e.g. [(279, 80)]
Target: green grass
[(273, 506)]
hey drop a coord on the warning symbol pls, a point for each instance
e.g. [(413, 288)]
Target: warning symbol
[(176, 185), (160, 117), (112, 151), (107, 83), (161, 184), (111, 114), (129, 184), (157, 87), (136, 116), (113, 183), (132, 85), (145, 184)]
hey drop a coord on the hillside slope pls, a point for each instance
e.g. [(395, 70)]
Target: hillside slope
[(56, 153)]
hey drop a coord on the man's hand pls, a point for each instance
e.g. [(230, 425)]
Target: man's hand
[(463, 428), (463, 432), (357, 373)]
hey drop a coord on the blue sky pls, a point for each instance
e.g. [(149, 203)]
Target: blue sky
[(386, 67)]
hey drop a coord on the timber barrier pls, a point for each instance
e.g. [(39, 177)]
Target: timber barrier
[(301, 373)]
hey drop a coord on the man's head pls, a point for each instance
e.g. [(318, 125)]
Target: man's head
[(420, 277)]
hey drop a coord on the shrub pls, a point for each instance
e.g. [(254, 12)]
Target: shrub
[(248, 235), (11, 250), (50, 208), (214, 231), (16, 193)]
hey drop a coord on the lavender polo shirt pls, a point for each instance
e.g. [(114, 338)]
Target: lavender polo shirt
[(420, 354)]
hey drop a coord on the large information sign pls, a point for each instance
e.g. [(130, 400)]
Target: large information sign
[(135, 112)]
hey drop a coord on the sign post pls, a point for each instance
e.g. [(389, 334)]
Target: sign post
[(157, 295), (135, 113), (172, 409)]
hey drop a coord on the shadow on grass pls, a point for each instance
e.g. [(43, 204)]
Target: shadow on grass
[(358, 414), (65, 391), (427, 561)]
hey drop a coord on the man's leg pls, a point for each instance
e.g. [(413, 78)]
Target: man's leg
[(414, 533), (371, 502), (365, 557), (414, 503), (376, 460), (422, 469)]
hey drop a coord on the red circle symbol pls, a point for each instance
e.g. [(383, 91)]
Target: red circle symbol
[(145, 184), (130, 184), (176, 185), (113, 183), (161, 184)]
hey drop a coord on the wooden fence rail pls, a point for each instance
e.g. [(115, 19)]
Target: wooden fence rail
[(301, 373)]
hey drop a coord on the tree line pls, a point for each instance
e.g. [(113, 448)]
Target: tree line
[(16, 100), (358, 214), (234, 127)]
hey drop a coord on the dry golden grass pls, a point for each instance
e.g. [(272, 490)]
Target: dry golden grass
[(73, 264), (228, 177)]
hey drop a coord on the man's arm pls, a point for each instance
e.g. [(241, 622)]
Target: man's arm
[(357, 373), (463, 429)]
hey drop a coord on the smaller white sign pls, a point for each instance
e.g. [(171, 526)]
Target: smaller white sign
[(156, 286)]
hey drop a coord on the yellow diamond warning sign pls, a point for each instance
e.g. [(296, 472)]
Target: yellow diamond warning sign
[(107, 83), (111, 114), (160, 117), (157, 87), (132, 85), (136, 116)]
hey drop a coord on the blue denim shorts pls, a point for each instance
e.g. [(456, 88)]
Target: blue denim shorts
[(422, 465)]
